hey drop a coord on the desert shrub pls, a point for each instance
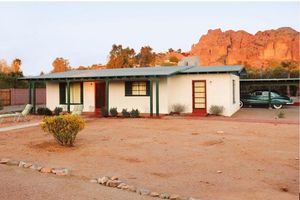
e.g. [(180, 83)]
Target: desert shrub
[(216, 110), (104, 112), (113, 112), (177, 108), (1, 105), (135, 113), (125, 113), (57, 110), (281, 115), (64, 128), (44, 111)]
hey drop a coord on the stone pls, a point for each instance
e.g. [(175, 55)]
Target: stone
[(164, 196), (220, 132), (13, 163), (22, 163), (154, 194), (27, 165), (61, 171), (103, 180), (219, 172), (121, 185), (192, 198), (125, 187), (175, 197), (111, 183), (46, 170), (93, 181), (131, 188), (36, 167), (142, 191), (4, 160), (114, 178)]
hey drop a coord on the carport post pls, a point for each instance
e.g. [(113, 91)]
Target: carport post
[(33, 98), (29, 92), (107, 95), (68, 95), (157, 97), (151, 97), (269, 97)]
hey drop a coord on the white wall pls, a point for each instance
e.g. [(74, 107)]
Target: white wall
[(52, 95), (218, 88), (88, 96), (118, 99)]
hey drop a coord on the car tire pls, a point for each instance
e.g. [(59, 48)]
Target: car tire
[(277, 106), (241, 104)]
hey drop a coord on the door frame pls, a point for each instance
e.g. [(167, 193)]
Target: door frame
[(199, 110), (95, 89)]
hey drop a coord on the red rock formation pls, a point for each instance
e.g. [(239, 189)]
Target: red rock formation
[(240, 47)]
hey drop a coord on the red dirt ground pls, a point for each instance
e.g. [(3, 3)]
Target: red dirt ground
[(256, 160)]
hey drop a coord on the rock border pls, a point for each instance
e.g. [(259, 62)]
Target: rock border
[(107, 181)]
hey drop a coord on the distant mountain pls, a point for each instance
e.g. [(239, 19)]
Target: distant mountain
[(240, 47)]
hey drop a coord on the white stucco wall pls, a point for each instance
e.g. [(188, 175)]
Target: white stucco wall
[(218, 91), (118, 99), (52, 95), (88, 96)]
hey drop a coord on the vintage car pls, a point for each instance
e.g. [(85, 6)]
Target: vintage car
[(262, 98)]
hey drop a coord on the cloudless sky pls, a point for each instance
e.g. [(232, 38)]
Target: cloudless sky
[(83, 32)]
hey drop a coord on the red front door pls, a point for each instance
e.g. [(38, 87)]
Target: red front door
[(99, 95), (199, 97)]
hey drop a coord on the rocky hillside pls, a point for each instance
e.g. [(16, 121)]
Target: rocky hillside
[(236, 47)]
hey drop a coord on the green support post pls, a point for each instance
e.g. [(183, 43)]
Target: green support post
[(33, 98), (68, 95), (107, 95), (151, 97), (269, 98), (30, 92), (157, 97)]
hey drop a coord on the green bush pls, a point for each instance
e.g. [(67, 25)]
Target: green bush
[(57, 110), (177, 108), (44, 111), (281, 115), (216, 110), (113, 112), (1, 105), (64, 128), (125, 113), (135, 113), (104, 112)]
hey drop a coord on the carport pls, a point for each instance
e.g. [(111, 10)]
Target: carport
[(269, 83)]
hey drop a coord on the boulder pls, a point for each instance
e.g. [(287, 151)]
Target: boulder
[(154, 194), (131, 188), (164, 196), (175, 197), (142, 191), (103, 180), (61, 171), (13, 162), (46, 170), (4, 160)]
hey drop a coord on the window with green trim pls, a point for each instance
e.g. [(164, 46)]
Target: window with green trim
[(76, 93), (137, 88)]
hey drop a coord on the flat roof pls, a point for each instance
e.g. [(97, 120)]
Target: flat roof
[(136, 72)]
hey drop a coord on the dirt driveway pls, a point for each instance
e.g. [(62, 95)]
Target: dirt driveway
[(184, 156)]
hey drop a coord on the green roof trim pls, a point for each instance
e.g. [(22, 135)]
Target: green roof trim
[(140, 72)]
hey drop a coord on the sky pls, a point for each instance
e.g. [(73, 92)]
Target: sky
[(84, 32)]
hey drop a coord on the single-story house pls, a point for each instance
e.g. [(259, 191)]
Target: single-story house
[(148, 89)]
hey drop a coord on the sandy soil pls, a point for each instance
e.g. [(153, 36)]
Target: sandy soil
[(30, 119), (257, 160), (26, 184)]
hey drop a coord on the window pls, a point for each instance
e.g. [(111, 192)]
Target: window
[(76, 93), (233, 91), (137, 88)]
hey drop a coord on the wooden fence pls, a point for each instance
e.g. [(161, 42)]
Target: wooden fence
[(21, 96), (5, 97)]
